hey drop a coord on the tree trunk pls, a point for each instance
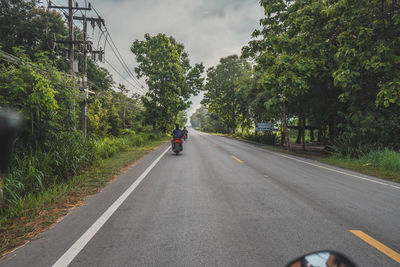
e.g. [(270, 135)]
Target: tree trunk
[(124, 117), (285, 127), (312, 135), (298, 139), (319, 137), (303, 131), (331, 131), (282, 133)]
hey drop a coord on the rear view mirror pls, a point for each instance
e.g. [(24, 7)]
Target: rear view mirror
[(322, 259)]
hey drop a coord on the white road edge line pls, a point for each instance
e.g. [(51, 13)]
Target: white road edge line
[(74, 250), (330, 169)]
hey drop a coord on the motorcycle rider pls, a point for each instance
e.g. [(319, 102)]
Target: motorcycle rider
[(177, 133), (185, 132)]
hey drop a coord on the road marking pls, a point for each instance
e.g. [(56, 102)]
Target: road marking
[(214, 145), (266, 176), (341, 172), (238, 160), (74, 250), (378, 245)]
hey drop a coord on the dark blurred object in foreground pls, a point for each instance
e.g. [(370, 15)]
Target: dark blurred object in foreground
[(10, 123)]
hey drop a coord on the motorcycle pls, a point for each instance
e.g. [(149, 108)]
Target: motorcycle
[(177, 145), (322, 259)]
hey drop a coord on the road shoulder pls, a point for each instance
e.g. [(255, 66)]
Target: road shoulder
[(329, 159), (18, 231)]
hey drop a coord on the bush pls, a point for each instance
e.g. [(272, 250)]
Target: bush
[(33, 171), (350, 146), (268, 138), (108, 146), (155, 136), (128, 132)]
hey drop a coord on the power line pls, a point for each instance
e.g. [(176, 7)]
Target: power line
[(120, 58), (112, 41), (118, 55), (139, 87), (124, 67), (123, 76)]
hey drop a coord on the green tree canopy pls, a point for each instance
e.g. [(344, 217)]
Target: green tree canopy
[(331, 63), (223, 95), (169, 76)]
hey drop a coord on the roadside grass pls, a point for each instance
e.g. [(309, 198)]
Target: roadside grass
[(384, 163), (36, 213)]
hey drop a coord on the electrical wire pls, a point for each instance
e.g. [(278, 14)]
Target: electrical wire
[(112, 41), (139, 87), (119, 54), (119, 57), (140, 91), (125, 68)]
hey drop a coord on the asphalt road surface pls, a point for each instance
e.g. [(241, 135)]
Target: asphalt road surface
[(224, 202)]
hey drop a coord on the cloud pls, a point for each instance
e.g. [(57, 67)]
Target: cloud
[(209, 29)]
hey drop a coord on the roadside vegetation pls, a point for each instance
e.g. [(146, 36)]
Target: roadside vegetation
[(38, 211), (38, 175), (324, 73), (51, 150), (383, 163)]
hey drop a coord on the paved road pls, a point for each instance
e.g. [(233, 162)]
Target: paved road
[(224, 202)]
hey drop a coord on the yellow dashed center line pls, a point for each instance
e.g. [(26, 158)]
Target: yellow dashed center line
[(266, 176), (214, 145), (238, 160), (378, 245)]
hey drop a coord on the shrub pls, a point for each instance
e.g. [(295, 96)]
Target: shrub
[(268, 138), (108, 146), (127, 132), (352, 146)]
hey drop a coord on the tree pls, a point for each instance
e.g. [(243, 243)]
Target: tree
[(42, 94), (198, 119), (23, 23), (182, 119), (170, 78), (207, 121), (222, 95), (331, 64), (99, 77)]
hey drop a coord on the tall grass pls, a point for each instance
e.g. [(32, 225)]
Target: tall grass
[(384, 159), (32, 172), (383, 162)]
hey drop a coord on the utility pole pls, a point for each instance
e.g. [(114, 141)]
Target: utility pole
[(86, 48), (71, 38), (84, 81)]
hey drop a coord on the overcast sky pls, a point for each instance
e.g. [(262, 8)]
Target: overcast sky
[(209, 29)]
